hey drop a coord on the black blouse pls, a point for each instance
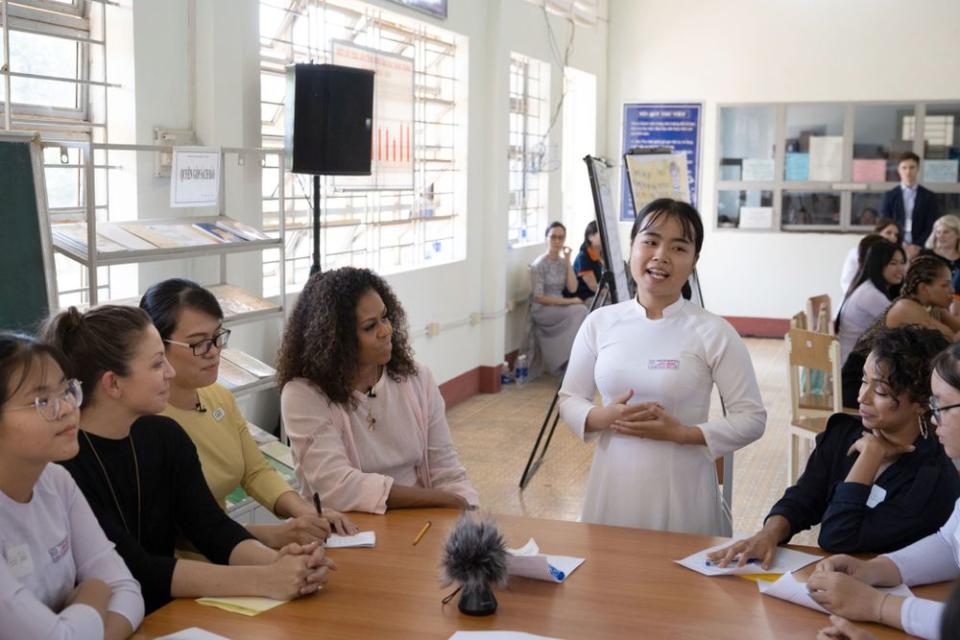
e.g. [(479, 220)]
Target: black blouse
[(173, 495), (921, 489)]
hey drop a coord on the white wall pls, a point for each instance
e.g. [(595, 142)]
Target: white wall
[(771, 51), (224, 109)]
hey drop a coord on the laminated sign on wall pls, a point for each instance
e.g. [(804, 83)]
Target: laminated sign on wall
[(195, 177)]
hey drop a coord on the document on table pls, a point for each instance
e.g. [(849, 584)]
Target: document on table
[(784, 561), (362, 540), (244, 605), (528, 562), (193, 633), (792, 590), (497, 635)]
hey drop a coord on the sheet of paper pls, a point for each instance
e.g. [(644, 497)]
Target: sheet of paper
[(759, 169), (756, 218), (940, 170), (195, 177), (786, 560), (279, 452), (528, 562), (362, 540), (193, 633), (877, 495), (869, 170), (826, 157), (497, 635), (244, 605), (792, 590)]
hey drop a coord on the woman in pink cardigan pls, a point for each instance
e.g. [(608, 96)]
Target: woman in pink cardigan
[(366, 423)]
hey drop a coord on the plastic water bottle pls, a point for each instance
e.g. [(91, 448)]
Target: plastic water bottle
[(521, 370)]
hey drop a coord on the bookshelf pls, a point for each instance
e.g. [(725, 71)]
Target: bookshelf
[(85, 237)]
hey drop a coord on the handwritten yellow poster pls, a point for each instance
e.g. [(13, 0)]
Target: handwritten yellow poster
[(661, 175)]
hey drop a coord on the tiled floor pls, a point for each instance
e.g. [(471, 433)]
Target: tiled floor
[(495, 433)]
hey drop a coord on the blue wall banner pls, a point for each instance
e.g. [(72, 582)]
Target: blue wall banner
[(661, 126)]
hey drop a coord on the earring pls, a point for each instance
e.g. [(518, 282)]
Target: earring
[(923, 426)]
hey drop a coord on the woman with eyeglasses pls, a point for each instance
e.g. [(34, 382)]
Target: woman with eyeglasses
[(556, 312), (845, 585), (61, 577), (190, 322), (141, 475), (875, 482)]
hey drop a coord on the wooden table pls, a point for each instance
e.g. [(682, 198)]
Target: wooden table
[(629, 587)]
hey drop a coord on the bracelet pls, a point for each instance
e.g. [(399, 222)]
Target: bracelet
[(883, 601)]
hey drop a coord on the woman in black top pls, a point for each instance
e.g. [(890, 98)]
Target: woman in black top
[(588, 265), (142, 477), (877, 482)]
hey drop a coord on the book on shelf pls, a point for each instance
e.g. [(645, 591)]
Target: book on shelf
[(235, 301), (248, 363), (169, 235), (124, 238), (231, 376), (219, 233), (73, 235), (242, 230)]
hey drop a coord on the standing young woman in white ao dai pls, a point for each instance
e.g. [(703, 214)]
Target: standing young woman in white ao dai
[(655, 360)]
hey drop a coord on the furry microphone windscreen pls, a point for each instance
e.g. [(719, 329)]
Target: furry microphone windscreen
[(475, 555)]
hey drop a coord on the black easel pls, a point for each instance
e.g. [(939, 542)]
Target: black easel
[(534, 461), (315, 267)]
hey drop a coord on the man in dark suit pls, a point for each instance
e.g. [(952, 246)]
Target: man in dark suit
[(914, 208)]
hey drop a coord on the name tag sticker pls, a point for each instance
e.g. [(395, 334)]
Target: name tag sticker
[(60, 550), (19, 560), (877, 495), (218, 414), (663, 364)]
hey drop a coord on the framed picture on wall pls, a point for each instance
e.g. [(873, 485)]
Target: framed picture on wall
[(436, 8)]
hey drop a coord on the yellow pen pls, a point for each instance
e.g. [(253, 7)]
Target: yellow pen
[(423, 532)]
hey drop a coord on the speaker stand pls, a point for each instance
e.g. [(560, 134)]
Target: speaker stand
[(315, 267)]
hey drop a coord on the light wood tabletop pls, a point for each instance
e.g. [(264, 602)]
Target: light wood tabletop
[(629, 587)]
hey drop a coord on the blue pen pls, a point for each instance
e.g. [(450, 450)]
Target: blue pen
[(710, 563), (556, 573)]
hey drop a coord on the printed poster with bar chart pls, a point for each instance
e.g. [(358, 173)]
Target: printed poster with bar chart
[(393, 117)]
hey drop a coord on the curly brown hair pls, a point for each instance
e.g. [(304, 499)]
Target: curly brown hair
[(320, 340)]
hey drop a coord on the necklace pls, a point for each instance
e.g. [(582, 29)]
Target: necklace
[(113, 494)]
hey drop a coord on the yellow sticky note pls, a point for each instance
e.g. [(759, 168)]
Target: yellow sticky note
[(246, 606), (766, 577)]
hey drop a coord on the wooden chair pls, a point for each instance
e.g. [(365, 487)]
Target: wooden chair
[(799, 320), (810, 351), (818, 312)]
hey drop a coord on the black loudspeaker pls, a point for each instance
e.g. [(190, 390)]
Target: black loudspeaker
[(329, 119)]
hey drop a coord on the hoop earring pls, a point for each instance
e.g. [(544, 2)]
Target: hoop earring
[(923, 426)]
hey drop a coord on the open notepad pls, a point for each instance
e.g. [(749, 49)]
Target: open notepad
[(362, 540), (244, 605)]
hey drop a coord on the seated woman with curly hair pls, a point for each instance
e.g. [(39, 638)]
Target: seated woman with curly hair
[(366, 423)]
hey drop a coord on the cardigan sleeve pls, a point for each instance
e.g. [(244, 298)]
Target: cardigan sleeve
[(25, 616), (324, 464), (446, 472), (260, 480)]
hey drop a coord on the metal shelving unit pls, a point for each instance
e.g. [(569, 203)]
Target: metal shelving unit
[(92, 259)]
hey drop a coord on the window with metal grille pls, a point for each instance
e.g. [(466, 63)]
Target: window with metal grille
[(53, 71), (386, 229), (529, 179)]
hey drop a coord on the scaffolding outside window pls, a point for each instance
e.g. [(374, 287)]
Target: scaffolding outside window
[(388, 230), (53, 72), (529, 179)]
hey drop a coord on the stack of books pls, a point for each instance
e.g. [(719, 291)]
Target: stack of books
[(237, 370), (116, 237)]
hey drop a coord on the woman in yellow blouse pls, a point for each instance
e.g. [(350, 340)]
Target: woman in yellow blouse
[(190, 321)]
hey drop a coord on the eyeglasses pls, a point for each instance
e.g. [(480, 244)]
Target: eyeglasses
[(51, 408), (936, 410), (202, 347)]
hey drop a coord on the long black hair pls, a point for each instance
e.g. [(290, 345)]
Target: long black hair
[(164, 301), (589, 231), (879, 255), (685, 214)]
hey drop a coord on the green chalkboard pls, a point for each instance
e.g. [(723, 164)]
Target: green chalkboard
[(26, 282)]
